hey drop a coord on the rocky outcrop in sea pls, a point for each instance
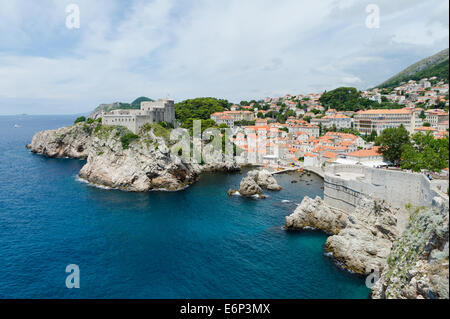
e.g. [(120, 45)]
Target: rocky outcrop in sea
[(367, 241), (361, 240), (121, 160), (253, 184)]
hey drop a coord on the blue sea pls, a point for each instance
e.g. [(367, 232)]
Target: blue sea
[(196, 243)]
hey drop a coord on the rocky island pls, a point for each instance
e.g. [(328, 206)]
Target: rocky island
[(253, 184)]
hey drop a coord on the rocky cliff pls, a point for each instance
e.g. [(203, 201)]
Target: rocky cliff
[(145, 164), (361, 240), (367, 241), (118, 159), (73, 141), (417, 267)]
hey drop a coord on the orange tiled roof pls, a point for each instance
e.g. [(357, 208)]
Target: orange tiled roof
[(366, 153), (386, 111)]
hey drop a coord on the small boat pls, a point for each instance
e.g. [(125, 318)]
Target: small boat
[(16, 125)]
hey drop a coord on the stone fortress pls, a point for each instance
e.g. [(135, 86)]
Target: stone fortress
[(161, 110)]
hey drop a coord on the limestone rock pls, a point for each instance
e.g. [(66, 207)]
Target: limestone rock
[(418, 265), (249, 187), (264, 179), (144, 164), (73, 141), (254, 183), (360, 240)]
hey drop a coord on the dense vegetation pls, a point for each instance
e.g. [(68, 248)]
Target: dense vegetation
[(425, 152), (422, 152), (392, 141), (200, 108), (349, 99), (439, 70)]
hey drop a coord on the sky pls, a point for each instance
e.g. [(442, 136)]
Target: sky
[(180, 49)]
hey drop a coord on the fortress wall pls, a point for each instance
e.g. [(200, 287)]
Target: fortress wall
[(140, 121), (395, 187)]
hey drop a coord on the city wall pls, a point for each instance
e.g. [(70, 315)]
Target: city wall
[(344, 185)]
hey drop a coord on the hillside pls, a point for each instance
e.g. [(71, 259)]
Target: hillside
[(136, 104), (436, 65)]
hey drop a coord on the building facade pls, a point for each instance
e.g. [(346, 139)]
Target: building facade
[(377, 120), (150, 112), (229, 117)]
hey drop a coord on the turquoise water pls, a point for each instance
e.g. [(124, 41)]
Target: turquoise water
[(198, 243)]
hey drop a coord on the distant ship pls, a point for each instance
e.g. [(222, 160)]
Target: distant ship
[(16, 125)]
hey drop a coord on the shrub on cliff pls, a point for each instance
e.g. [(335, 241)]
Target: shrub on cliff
[(80, 119), (127, 139)]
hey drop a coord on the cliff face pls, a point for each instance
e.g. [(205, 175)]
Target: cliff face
[(144, 165), (418, 264), (73, 141), (361, 240), (118, 159), (412, 265)]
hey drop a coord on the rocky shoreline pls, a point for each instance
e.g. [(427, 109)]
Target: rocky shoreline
[(411, 263), (142, 164)]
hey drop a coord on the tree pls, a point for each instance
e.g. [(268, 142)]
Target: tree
[(422, 115), (200, 108), (80, 119), (307, 119), (426, 124), (342, 99), (392, 142), (426, 152), (372, 137)]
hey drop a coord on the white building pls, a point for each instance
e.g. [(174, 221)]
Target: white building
[(150, 112)]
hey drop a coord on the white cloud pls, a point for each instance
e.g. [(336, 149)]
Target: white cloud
[(233, 49)]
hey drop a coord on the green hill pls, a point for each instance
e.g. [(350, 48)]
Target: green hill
[(137, 103), (436, 65)]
